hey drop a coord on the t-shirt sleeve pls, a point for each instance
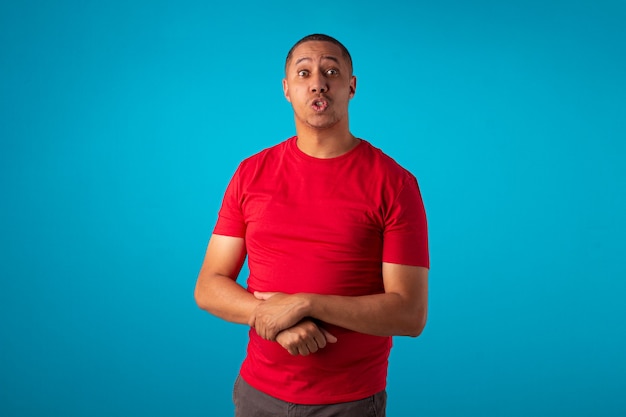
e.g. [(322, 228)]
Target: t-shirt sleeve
[(405, 238), (230, 219)]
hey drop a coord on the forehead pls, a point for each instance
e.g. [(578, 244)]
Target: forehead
[(316, 51)]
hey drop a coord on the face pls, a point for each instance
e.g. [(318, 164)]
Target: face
[(319, 85)]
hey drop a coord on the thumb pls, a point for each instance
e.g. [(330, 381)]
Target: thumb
[(329, 337), (263, 295)]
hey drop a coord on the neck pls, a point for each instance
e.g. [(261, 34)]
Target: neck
[(325, 143)]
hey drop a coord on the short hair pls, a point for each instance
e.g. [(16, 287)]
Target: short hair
[(322, 38)]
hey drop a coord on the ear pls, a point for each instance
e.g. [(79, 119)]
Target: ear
[(286, 90), (352, 86)]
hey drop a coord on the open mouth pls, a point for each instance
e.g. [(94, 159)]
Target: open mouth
[(319, 105)]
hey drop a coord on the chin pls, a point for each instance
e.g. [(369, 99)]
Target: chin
[(321, 124)]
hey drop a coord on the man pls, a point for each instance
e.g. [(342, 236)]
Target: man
[(335, 234)]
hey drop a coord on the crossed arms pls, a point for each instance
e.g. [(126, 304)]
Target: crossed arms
[(293, 320)]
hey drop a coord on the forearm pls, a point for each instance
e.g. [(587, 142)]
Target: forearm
[(388, 314), (223, 297)]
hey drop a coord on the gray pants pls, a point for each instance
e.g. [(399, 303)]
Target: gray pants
[(250, 402)]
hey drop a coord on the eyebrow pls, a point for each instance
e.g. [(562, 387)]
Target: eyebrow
[(332, 58)]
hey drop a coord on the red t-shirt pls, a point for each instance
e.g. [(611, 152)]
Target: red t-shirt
[(323, 226)]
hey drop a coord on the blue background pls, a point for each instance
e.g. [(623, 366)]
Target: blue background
[(122, 122)]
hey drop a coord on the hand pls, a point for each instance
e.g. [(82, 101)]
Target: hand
[(304, 338), (277, 312)]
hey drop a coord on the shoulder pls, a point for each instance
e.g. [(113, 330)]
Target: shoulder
[(382, 163), (266, 156)]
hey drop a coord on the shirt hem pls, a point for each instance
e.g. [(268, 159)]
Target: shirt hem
[(316, 400)]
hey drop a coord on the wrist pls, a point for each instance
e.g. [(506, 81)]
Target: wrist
[(252, 311), (306, 304)]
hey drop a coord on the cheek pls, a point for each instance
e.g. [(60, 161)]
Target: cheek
[(298, 96)]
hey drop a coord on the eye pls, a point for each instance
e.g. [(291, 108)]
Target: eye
[(332, 72), (303, 73)]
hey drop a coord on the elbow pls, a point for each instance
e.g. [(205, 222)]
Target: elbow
[(416, 331), (416, 325), (201, 298), (198, 298)]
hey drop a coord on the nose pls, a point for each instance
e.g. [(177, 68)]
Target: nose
[(318, 84)]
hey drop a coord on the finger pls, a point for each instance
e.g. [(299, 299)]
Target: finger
[(269, 334), (263, 333), (263, 295), (282, 339), (329, 337), (304, 350), (312, 346), (320, 339)]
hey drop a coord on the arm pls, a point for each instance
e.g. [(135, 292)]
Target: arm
[(216, 289), (400, 310), (218, 293)]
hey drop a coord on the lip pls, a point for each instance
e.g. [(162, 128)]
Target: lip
[(325, 103)]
